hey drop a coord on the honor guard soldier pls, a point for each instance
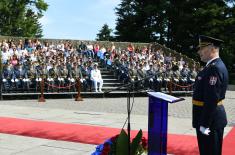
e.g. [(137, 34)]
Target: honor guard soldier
[(176, 76), (60, 71), (159, 76), (116, 64), (167, 77), (209, 116), (15, 77), (24, 76), (151, 74), (79, 75), (6, 73), (184, 73), (51, 78), (141, 74), (132, 73), (122, 73), (192, 76)]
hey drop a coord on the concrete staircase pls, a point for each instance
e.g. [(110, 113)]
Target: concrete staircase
[(111, 83)]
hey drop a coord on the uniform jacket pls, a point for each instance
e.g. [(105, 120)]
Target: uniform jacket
[(209, 92), (96, 74), (141, 73), (132, 73)]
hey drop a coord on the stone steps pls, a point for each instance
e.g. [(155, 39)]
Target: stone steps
[(110, 82)]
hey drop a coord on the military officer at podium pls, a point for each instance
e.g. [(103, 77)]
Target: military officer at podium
[(209, 116)]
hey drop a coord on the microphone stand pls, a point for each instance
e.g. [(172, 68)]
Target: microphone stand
[(130, 88)]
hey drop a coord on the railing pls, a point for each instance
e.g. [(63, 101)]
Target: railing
[(77, 84), (172, 86), (43, 84)]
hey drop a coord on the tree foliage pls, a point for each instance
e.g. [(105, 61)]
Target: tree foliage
[(21, 17), (141, 20), (177, 23), (105, 34)]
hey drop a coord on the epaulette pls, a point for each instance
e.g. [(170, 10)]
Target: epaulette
[(211, 65)]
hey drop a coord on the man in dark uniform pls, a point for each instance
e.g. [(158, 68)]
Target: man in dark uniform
[(209, 116), (141, 74), (132, 73), (151, 81)]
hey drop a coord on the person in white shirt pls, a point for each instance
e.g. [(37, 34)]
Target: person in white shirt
[(90, 51), (181, 63), (146, 66), (60, 46), (5, 55), (96, 78)]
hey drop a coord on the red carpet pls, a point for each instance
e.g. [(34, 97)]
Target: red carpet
[(177, 144), (229, 143)]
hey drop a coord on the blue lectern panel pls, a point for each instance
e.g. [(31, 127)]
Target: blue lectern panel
[(157, 126)]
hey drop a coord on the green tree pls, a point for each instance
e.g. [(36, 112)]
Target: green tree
[(177, 23), (105, 34), (188, 18), (125, 21), (142, 21), (21, 17)]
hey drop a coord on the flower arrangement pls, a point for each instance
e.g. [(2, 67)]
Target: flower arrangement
[(118, 145)]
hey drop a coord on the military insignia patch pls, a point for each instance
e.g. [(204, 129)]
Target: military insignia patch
[(213, 80)]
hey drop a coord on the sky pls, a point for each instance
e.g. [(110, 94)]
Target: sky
[(77, 19)]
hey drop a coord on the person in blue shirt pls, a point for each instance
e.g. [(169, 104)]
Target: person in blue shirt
[(209, 116)]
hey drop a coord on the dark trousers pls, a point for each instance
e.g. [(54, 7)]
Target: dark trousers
[(211, 144)]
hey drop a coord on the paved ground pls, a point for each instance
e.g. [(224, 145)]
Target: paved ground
[(95, 111)]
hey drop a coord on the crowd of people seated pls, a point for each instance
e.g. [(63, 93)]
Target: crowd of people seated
[(26, 62), (153, 69)]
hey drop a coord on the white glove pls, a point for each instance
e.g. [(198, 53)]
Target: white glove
[(204, 130)]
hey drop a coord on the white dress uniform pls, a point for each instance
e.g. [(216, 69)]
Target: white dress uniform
[(97, 79)]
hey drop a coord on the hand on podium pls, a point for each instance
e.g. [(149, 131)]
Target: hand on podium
[(204, 130)]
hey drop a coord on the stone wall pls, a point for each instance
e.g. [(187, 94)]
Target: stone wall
[(107, 44)]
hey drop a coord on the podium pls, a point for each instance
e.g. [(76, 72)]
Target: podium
[(157, 122)]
